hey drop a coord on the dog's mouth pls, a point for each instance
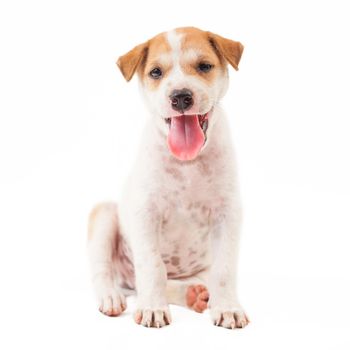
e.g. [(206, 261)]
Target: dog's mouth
[(187, 135)]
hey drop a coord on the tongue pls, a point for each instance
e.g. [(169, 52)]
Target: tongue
[(186, 137)]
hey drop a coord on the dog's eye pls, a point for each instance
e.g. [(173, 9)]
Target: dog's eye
[(205, 67), (155, 73)]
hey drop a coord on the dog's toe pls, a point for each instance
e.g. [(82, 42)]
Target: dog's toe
[(112, 304), (153, 318), (235, 318)]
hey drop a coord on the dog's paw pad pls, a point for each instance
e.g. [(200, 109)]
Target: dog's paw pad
[(236, 318), (197, 297), (153, 318), (112, 304)]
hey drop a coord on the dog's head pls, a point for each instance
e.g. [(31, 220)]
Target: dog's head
[(183, 75)]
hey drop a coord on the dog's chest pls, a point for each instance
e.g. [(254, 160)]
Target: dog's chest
[(186, 223), (185, 239)]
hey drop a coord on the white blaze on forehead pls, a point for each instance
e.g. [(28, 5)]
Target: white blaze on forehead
[(174, 40), (191, 55)]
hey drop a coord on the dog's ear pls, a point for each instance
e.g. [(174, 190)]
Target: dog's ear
[(130, 62), (230, 50)]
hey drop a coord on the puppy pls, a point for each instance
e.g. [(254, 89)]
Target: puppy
[(174, 237)]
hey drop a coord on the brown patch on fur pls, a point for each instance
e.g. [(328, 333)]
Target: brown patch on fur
[(230, 50), (204, 168), (175, 173), (210, 48), (143, 58), (131, 61), (198, 41), (204, 209), (175, 260), (157, 47)]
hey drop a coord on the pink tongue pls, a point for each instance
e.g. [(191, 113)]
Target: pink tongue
[(186, 137)]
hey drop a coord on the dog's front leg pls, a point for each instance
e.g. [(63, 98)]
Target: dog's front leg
[(226, 310), (150, 272)]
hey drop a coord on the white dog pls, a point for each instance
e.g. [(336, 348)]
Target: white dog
[(174, 237)]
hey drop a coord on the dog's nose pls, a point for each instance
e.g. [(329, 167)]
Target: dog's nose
[(181, 100)]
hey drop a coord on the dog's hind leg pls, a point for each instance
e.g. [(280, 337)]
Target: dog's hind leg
[(103, 243), (190, 292)]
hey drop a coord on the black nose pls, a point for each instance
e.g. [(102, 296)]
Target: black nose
[(181, 100)]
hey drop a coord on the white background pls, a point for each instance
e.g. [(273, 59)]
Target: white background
[(69, 129)]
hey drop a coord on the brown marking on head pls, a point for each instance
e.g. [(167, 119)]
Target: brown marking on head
[(145, 57), (197, 47), (228, 49), (200, 46), (131, 61)]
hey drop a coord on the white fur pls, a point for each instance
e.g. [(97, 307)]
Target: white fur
[(185, 210)]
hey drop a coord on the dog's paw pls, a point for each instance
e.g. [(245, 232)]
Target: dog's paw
[(197, 297), (232, 318), (112, 303), (153, 318)]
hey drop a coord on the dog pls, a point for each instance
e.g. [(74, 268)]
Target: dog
[(174, 236)]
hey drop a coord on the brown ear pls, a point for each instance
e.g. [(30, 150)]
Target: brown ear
[(228, 49), (129, 62)]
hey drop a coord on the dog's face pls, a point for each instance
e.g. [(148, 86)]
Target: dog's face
[(183, 75)]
